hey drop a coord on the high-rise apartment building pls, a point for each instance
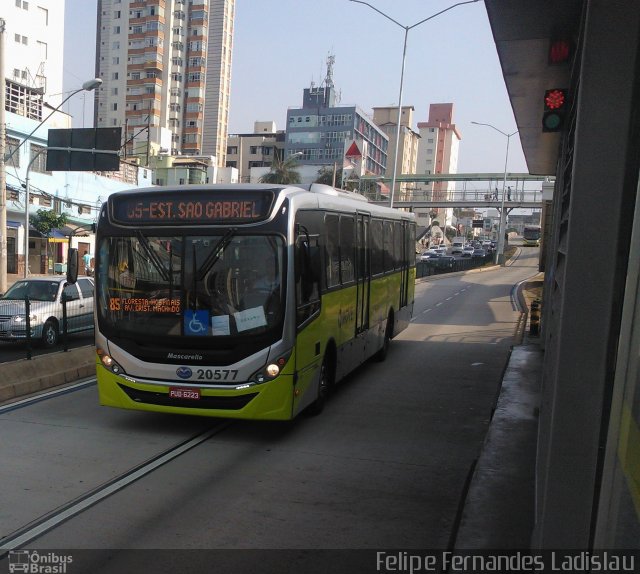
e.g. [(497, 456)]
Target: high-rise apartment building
[(438, 152), (166, 68)]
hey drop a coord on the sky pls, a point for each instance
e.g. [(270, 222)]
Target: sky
[(281, 46)]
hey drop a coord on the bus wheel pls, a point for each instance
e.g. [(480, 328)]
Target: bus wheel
[(381, 355), (317, 406)]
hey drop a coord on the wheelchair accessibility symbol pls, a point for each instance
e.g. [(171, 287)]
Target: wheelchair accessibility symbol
[(196, 323)]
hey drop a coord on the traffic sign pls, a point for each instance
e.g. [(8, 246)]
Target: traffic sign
[(68, 145)]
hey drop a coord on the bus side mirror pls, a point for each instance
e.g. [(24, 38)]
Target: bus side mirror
[(72, 265)]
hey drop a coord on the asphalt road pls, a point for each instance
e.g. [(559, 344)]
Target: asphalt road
[(384, 467)]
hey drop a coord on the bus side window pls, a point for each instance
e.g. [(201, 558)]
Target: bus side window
[(307, 278)]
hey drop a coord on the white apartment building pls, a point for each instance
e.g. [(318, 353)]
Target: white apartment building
[(257, 149), (386, 118), (33, 64), (438, 153), (166, 68)]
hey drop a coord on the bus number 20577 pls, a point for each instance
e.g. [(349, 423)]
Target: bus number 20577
[(216, 374)]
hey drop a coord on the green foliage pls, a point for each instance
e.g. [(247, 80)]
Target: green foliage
[(325, 175), (282, 171), (352, 183), (46, 220)]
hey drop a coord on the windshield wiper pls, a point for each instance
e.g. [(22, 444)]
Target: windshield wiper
[(153, 256), (215, 253)]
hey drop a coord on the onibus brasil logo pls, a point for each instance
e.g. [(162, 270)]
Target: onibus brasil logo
[(32, 561)]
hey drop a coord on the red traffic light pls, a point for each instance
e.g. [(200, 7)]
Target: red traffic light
[(559, 52), (555, 99), (555, 103)]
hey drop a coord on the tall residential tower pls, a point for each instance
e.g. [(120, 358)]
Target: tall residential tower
[(166, 68), (438, 153)]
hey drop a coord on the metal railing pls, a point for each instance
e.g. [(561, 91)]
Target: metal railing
[(470, 197), (432, 267), (36, 322)]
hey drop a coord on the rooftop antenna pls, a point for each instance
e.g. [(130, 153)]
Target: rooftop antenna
[(328, 81)]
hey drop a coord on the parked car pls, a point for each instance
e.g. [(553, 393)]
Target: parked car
[(440, 261), (45, 298), (428, 253), (467, 251), (444, 262)]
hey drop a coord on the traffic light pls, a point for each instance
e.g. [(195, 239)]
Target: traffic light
[(555, 105), (560, 51)]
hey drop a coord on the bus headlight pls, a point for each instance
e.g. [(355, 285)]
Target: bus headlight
[(272, 370), (108, 362)]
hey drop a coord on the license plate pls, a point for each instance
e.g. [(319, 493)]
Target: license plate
[(181, 393)]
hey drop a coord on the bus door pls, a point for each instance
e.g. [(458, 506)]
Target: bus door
[(405, 254), (309, 333), (363, 272)]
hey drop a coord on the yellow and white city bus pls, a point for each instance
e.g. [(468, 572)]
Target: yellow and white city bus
[(245, 301)]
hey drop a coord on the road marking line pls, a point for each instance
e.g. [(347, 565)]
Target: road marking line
[(51, 520)]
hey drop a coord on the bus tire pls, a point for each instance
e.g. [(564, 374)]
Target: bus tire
[(381, 355), (324, 384)]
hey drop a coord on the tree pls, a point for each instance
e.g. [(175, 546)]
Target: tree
[(325, 175), (282, 171), (46, 221), (351, 182)]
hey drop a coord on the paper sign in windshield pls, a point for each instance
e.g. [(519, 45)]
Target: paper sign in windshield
[(250, 319), (220, 325)]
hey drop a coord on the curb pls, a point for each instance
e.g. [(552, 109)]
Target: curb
[(25, 376), (457, 273)]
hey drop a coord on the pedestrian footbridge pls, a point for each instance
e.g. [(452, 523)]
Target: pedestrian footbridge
[(470, 190)]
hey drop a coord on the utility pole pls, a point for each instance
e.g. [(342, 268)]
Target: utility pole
[(3, 175)]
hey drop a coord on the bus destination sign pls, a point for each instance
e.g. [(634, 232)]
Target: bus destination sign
[(187, 207)]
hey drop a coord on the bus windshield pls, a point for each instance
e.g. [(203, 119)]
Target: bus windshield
[(225, 285)]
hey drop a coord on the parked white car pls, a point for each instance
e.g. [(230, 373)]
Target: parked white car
[(45, 299)]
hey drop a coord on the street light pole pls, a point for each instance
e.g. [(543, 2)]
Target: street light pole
[(3, 174), (87, 86), (404, 53), (503, 219)]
